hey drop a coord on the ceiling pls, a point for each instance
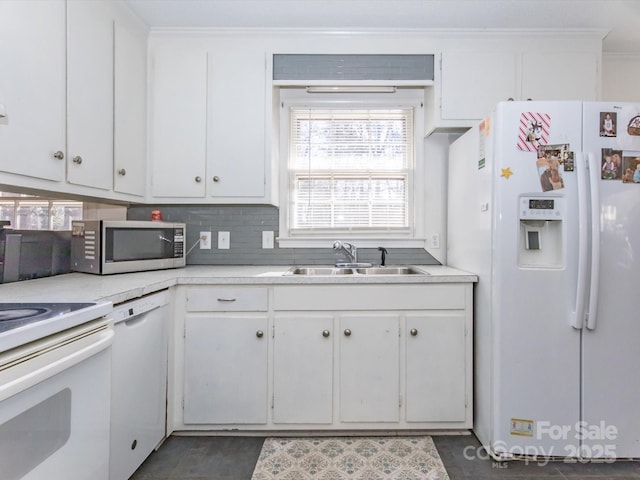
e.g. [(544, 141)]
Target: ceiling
[(619, 19)]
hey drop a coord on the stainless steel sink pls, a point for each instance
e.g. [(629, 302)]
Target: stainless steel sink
[(328, 271), (315, 271), (390, 271)]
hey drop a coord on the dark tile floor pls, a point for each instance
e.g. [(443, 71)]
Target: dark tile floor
[(233, 458)]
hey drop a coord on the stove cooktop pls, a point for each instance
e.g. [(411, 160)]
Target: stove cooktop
[(14, 315), (21, 323)]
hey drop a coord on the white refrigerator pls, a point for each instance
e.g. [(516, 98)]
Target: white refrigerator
[(544, 205)]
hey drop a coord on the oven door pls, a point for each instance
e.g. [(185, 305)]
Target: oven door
[(54, 408)]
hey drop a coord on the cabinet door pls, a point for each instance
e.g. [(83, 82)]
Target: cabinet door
[(559, 76), (473, 82), (303, 369), (179, 121), (236, 153), (90, 93), (369, 368), (436, 368), (130, 125), (225, 370), (32, 88)]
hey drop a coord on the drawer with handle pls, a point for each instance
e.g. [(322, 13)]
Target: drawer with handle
[(227, 299)]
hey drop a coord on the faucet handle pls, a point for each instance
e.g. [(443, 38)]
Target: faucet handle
[(384, 253)]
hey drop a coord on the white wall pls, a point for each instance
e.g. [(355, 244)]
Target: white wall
[(436, 153), (621, 78)]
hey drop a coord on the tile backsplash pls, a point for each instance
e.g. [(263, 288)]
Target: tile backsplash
[(246, 224)]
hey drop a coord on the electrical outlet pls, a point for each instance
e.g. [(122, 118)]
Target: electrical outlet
[(224, 241), (267, 239), (205, 240), (435, 241)]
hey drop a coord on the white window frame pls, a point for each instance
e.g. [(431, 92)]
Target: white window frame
[(413, 237)]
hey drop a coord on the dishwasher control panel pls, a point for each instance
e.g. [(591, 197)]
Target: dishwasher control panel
[(134, 308)]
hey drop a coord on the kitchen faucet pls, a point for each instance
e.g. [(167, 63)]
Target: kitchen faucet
[(348, 249)]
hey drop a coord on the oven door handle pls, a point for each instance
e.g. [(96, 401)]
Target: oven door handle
[(28, 373)]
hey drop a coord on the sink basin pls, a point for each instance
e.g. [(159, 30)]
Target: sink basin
[(327, 271), (315, 271), (390, 271)]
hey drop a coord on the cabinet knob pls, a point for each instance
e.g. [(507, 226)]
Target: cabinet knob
[(77, 159), (216, 178), (325, 333), (347, 333), (134, 444), (198, 179), (58, 155), (413, 332), (122, 172), (259, 334)]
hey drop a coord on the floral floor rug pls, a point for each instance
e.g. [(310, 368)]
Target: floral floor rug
[(349, 458)]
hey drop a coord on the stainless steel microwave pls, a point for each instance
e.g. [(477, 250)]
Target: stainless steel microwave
[(105, 247)]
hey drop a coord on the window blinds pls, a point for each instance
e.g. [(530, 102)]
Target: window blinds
[(350, 169)]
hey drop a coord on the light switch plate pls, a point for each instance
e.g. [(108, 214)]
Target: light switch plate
[(224, 241), (267, 239)]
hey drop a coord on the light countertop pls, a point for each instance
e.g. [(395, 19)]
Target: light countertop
[(74, 287)]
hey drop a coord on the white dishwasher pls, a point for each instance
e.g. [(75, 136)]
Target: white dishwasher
[(138, 382)]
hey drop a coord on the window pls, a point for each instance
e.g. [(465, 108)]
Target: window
[(27, 212), (349, 166)]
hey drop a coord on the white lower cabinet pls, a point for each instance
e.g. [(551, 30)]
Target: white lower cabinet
[(225, 369), (225, 356), (328, 357), (369, 368), (303, 369), (437, 356)]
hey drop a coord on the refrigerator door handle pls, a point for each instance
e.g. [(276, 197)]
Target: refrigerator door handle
[(594, 189), (577, 316)]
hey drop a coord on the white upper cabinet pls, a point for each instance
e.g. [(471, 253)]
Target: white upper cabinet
[(472, 82), (90, 94), (32, 88), (469, 83), (57, 89), (178, 149), (560, 76), (208, 117), (130, 109), (236, 127)]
